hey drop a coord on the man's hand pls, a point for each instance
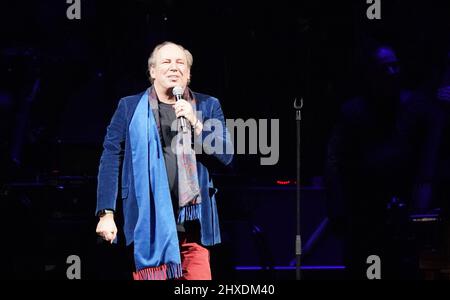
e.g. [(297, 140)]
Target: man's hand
[(184, 109), (106, 228)]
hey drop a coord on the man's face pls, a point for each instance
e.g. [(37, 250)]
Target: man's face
[(171, 68), (387, 62), (387, 70)]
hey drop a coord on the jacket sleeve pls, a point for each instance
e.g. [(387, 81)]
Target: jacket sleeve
[(111, 159), (215, 135)]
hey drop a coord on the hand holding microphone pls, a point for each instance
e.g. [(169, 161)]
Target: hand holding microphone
[(183, 109)]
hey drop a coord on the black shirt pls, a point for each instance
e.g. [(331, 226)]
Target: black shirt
[(167, 117)]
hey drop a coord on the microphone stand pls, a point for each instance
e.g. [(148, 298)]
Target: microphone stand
[(298, 240)]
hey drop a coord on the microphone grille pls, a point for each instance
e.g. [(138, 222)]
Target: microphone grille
[(177, 91)]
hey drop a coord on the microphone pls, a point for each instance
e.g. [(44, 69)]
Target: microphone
[(178, 93)]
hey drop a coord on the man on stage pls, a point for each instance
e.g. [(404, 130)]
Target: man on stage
[(169, 206)]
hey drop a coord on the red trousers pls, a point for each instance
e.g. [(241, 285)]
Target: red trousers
[(194, 258)]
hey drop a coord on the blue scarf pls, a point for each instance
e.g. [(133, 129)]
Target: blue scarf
[(189, 197), (156, 245)]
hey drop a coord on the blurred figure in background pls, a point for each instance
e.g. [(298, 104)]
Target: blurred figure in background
[(382, 152)]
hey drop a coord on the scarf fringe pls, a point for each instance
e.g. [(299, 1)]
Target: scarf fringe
[(163, 272), (189, 213)]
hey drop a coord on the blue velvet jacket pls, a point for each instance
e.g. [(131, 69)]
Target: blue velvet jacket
[(116, 157)]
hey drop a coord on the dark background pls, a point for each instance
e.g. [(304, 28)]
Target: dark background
[(256, 57)]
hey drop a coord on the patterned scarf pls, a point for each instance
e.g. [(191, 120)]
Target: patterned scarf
[(189, 197)]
